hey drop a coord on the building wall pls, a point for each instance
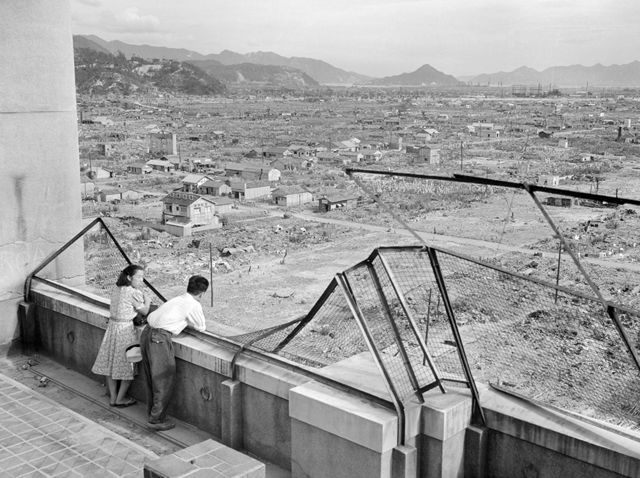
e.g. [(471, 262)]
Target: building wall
[(294, 199), (163, 143), (41, 205), (254, 193), (224, 208), (201, 212)]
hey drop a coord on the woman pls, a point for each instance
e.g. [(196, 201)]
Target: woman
[(127, 299)]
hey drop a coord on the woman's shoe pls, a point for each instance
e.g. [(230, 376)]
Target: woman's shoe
[(128, 403)]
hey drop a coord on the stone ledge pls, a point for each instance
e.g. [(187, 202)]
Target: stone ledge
[(267, 377)]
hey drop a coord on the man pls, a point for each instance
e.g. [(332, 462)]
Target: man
[(158, 358)]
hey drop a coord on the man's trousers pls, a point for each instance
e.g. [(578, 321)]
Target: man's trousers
[(159, 364)]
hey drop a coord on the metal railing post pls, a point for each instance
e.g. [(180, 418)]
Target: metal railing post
[(435, 265), (414, 328), (399, 343), (357, 313)]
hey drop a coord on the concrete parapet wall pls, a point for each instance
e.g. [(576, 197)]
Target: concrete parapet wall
[(319, 431), (70, 330), (525, 439)]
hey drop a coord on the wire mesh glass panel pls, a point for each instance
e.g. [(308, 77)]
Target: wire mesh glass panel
[(371, 302), (414, 277), (553, 346), (403, 326), (98, 256), (331, 335), (266, 339)]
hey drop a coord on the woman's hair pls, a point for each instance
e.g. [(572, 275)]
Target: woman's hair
[(197, 285), (127, 273)]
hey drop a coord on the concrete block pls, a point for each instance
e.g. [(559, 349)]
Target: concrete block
[(442, 458), (445, 414), (206, 459), (319, 454), (445, 417), (231, 405), (168, 466), (346, 416)]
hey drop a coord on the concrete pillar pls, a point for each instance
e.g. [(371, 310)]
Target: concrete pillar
[(39, 178), (475, 452), (445, 418), (337, 435), (404, 462), (231, 405)]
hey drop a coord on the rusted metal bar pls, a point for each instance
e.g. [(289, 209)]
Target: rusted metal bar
[(463, 178)]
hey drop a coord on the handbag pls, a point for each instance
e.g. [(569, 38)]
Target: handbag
[(141, 319)]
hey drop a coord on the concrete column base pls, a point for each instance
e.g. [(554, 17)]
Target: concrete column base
[(445, 418), (231, 404), (404, 462), (28, 328), (475, 450), (337, 435)]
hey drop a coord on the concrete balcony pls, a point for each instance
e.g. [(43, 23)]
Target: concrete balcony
[(300, 426)]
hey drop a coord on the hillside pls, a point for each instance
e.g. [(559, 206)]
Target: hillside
[(250, 74), (89, 43), (321, 71), (143, 51), (101, 73), (567, 76), (426, 75)]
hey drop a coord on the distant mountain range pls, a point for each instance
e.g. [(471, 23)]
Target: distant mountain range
[(241, 69), (320, 71), (566, 76), (236, 69), (251, 74)]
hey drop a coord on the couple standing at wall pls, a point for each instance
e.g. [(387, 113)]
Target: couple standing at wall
[(156, 345)]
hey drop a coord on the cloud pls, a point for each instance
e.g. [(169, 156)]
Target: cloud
[(91, 3), (130, 21)]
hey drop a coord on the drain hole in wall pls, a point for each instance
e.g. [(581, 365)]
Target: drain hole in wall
[(205, 393)]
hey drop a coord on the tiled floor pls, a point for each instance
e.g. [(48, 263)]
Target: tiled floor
[(40, 438)]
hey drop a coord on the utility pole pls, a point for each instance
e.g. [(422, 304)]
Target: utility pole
[(461, 145)]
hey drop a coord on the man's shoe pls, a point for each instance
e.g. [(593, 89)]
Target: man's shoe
[(161, 426)]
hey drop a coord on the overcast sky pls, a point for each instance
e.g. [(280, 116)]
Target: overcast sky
[(382, 37)]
